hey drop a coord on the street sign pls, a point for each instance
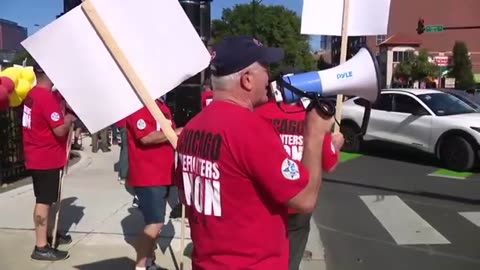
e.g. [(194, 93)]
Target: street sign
[(433, 28), (441, 61)]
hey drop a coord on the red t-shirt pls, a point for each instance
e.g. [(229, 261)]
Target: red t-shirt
[(122, 123), (148, 165), (288, 121), (235, 197), (207, 96), (42, 113)]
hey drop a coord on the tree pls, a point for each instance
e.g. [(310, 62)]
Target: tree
[(461, 68), (273, 26), (416, 68), (20, 57), (422, 68)]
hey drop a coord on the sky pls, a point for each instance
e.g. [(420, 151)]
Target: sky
[(35, 14)]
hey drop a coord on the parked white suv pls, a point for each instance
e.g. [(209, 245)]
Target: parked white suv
[(429, 120)]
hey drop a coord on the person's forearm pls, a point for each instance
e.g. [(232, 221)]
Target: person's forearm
[(63, 130), (156, 137)]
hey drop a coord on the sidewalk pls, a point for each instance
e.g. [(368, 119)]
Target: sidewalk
[(98, 213)]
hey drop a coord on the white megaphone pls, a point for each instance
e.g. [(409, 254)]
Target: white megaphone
[(359, 76)]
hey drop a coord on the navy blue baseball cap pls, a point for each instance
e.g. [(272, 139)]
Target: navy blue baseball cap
[(235, 53)]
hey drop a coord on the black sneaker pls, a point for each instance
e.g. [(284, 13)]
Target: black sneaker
[(61, 240), (47, 253)]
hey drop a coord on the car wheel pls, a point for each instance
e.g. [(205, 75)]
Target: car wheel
[(457, 154), (352, 139)]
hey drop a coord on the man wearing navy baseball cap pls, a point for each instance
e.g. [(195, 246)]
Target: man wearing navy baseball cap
[(234, 175)]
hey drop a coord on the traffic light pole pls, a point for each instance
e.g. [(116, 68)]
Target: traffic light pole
[(460, 27)]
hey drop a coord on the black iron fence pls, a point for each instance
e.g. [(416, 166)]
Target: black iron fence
[(12, 165)]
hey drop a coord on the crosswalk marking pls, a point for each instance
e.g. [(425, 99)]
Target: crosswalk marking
[(404, 225), (473, 217)]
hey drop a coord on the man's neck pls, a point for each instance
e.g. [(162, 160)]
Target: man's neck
[(229, 96), (44, 85)]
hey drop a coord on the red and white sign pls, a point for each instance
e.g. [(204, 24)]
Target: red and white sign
[(441, 61)]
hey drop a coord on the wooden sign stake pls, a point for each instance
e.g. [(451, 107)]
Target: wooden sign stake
[(343, 58)]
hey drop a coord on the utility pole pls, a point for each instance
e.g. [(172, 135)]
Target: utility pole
[(254, 23)]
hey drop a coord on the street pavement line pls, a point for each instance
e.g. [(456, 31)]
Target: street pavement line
[(473, 217), (404, 225)]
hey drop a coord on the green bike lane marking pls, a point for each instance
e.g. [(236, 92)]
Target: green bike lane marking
[(451, 174), (439, 172), (344, 156)]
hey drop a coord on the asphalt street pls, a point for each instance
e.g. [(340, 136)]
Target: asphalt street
[(365, 228), (405, 170)]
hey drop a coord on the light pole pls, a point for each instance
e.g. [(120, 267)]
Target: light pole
[(254, 26)]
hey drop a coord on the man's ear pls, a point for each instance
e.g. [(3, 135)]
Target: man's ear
[(247, 81)]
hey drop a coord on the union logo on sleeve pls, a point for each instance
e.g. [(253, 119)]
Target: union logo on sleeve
[(141, 125), (290, 169), (55, 116)]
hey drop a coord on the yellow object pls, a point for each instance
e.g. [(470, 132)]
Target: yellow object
[(22, 88), (13, 73), (14, 99), (23, 79), (28, 74)]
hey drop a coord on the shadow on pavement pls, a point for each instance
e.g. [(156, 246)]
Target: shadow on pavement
[(123, 263), (70, 214), (399, 153)]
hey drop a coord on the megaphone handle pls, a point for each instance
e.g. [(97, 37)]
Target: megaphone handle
[(338, 113)]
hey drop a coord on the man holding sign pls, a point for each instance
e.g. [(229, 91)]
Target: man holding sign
[(150, 161), (235, 170), (45, 129)]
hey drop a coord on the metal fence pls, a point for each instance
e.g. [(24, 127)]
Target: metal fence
[(12, 165)]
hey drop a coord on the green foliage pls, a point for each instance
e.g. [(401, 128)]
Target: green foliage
[(20, 57), (273, 26), (417, 67), (461, 69)]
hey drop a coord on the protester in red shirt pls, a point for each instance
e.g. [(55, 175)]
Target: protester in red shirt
[(207, 94), (237, 179), (150, 171), (289, 121), (45, 129)]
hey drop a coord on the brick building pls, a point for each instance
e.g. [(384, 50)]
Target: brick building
[(11, 34), (402, 36)]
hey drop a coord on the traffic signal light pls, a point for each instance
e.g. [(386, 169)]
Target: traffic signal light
[(420, 26)]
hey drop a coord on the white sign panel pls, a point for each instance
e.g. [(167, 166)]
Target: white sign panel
[(156, 37), (366, 17)]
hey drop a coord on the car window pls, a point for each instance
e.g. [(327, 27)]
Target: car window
[(384, 103), (406, 104), (445, 104)]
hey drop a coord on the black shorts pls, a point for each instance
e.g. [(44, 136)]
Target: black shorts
[(46, 184)]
